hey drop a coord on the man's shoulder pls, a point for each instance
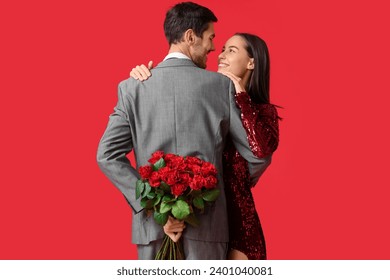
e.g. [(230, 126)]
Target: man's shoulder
[(128, 83), (128, 87), (216, 75), (185, 66), (218, 78), (210, 75)]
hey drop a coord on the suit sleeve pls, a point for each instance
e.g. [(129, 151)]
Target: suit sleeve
[(257, 165), (115, 144)]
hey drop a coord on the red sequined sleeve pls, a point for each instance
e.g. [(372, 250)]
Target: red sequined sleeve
[(261, 124)]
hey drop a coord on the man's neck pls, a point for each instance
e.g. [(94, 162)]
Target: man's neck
[(180, 48)]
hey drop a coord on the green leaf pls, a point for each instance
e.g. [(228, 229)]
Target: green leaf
[(151, 195), (159, 164), (165, 206), (140, 186), (147, 190), (180, 209), (198, 202), (147, 203), (211, 195), (159, 192), (165, 187), (160, 218), (168, 198), (157, 200), (192, 220)]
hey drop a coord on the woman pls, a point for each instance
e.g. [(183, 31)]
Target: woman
[(245, 60)]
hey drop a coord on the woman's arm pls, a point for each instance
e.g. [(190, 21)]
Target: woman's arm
[(261, 123)]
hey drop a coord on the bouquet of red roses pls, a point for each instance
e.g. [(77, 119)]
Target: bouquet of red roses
[(176, 186)]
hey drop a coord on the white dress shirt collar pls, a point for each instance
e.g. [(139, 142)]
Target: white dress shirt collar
[(176, 55)]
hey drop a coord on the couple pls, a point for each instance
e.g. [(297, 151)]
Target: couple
[(186, 110)]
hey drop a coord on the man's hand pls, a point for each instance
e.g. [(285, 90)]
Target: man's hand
[(174, 228)]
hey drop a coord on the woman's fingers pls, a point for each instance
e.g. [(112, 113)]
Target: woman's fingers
[(230, 75), (236, 80), (140, 72), (143, 72), (136, 74)]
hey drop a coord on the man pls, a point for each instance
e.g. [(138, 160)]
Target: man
[(185, 110)]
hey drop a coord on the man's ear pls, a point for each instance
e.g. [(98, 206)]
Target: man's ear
[(251, 64), (189, 37)]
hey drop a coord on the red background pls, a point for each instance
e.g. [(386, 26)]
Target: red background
[(324, 197)]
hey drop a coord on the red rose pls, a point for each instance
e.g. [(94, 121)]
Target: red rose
[(194, 168), (178, 189), (193, 160), (163, 172), (172, 177), (145, 171), (197, 182), (154, 179), (177, 163), (208, 169), (156, 157), (185, 178), (210, 182), (169, 157)]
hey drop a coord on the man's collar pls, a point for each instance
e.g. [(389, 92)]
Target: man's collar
[(176, 55)]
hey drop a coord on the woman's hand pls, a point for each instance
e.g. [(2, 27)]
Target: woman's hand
[(141, 72), (236, 80), (174, 228)]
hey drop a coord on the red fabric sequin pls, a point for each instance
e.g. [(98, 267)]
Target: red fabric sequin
[(261, 124)]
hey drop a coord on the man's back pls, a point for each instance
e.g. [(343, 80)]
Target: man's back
[(182, 110)]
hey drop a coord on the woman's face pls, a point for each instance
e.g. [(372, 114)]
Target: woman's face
[(234, 57)]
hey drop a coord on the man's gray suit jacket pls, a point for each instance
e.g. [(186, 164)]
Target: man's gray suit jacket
[(183, 110)]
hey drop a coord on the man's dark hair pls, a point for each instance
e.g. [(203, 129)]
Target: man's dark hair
[(184, 16)]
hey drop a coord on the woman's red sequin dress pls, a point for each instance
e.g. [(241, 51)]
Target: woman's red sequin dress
[(261, 124)]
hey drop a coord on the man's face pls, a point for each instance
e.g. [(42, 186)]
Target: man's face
[(203, 46)]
